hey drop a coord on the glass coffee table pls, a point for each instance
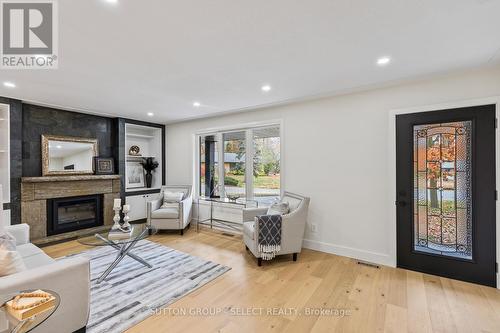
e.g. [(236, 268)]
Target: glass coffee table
[(123, 246), (9, 324)]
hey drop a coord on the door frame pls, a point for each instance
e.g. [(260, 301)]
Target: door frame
[(392, 165)]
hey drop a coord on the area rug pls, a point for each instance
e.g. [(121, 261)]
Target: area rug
[(132, 291)]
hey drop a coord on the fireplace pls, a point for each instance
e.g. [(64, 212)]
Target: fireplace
[(73, 213)]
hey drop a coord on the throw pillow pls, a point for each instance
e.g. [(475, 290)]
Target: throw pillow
[(172, 196), (170, 205), (280, 208), (10, 260), (7, 242)]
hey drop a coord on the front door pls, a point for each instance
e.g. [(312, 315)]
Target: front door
[(446, 193)]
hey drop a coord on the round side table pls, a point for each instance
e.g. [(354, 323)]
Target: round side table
[(9, 324)]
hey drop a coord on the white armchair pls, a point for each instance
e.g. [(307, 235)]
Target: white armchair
[(70, 278), (171, 218), (292, 228)]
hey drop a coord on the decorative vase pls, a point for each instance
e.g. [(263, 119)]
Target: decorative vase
[(149, 179)]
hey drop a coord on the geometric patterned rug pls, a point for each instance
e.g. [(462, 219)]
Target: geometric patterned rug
[(132, 291)]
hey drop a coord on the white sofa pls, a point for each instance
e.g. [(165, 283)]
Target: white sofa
[(292, 228), (172, 218), (70, 278)]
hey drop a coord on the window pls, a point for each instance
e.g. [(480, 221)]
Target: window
[(266, 164), (234, 164), (250, 164), (209, 168)]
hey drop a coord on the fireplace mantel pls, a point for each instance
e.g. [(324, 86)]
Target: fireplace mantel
[(66, 178), (35, 191)]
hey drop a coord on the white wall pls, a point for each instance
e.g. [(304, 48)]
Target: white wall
[(82, 160), (56, 163), (336, 151)]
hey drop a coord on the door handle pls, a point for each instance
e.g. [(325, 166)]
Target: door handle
[(400, 203)]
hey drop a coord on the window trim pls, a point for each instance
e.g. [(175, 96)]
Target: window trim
[(248, 128)]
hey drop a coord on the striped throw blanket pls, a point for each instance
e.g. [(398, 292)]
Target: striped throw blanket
[(269, 231)]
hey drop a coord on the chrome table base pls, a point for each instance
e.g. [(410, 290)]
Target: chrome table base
[(123, 251)]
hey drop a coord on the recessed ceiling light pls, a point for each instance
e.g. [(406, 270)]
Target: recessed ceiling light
[(382, 61), (9, 84), (111, 1), (266, 88), (150, 114), (58, 146), (196, 104)]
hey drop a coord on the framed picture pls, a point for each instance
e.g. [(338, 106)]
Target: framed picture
[(135, 175), (104, 166)]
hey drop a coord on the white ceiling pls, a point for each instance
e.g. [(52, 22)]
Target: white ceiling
[(160, 56)]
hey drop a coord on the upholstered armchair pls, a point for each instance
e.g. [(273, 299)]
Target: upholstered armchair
[(292, 228), (174, 217)]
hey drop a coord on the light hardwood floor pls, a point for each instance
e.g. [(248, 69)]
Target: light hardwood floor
[(375, 300)]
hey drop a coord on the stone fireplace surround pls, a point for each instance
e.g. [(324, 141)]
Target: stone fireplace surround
[(35, 191)]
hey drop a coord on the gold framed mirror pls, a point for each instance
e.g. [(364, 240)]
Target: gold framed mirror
[(66, 155)]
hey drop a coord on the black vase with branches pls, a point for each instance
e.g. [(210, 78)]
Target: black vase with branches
[(149, 165)]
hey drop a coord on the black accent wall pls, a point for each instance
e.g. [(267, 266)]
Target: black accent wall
[(120, 154), (27, 124), (38, 120)]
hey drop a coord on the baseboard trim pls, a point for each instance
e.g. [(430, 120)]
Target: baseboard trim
[(345, 251)]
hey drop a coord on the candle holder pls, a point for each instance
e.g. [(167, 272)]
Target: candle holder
[(126, 218), (116, 219)]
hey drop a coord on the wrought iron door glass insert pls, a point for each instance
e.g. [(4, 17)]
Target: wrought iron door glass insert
[(442, 189)]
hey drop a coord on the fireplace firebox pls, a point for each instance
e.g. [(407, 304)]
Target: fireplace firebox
[(73, 213)]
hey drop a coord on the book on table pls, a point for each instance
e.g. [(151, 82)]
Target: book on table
[(118, 234), (30, 311)]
